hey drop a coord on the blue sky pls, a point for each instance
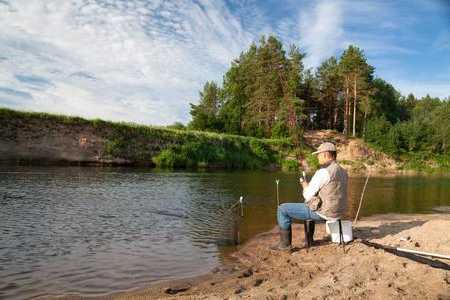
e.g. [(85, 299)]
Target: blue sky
[(144, 60)]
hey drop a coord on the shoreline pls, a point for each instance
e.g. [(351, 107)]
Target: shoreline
[(373, 172), (324, 270)]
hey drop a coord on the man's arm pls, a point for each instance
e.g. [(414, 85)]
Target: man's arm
[(320, 179)]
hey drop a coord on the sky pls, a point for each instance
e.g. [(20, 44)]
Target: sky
[(144, 61)]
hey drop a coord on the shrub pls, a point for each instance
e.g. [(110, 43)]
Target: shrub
[(289, 165), (166, 159), (280, 130)]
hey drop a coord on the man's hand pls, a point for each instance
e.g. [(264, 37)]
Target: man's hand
[(303, 181)]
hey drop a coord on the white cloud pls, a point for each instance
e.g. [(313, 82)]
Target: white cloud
[(328, 27), (321, 31), (146, 59)]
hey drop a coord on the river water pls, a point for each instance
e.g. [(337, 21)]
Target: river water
[(94, 231)]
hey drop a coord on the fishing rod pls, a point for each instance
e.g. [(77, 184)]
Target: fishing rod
[(362, 195), (417, 256), (278, 196), (237, 238), (241, 202)]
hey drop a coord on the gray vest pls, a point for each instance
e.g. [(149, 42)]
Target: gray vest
[(334, 193)]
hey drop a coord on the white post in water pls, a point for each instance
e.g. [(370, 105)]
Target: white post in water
[(278, 196), (241, 199)]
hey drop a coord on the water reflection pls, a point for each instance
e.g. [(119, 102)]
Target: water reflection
[(93, 231)]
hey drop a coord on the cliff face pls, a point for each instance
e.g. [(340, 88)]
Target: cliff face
[(353, 153), (44, 138)]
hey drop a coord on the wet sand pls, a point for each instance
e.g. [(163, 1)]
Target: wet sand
[(326, 270)]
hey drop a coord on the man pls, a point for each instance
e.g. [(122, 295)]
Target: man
[(325, 197)]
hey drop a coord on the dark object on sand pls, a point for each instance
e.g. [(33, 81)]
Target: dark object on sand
[(239, 290), (247, 273), (413, 255), (258, 282), (176, 290)]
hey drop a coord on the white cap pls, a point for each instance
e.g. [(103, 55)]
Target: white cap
[(325, 147)]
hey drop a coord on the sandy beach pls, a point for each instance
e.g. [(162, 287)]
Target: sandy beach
[(326, 270)]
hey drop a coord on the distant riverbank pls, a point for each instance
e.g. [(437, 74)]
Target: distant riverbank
[(41, 138)]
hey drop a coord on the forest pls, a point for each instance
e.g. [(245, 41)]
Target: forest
[(268, 93)]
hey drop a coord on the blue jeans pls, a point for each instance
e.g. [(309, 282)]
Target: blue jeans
[(288, 211)]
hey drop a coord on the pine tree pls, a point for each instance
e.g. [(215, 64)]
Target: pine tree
[(204, 115), (329, 85), (357, 75)]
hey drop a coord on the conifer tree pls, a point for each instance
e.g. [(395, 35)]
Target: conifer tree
[(204, 115), (357, 76)]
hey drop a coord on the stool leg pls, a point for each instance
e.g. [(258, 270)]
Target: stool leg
[(306, 229), (311, 229), (341, 236)]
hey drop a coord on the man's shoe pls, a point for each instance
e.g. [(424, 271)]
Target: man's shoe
[(285, 243)]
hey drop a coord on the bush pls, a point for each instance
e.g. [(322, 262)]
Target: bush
[(166, 159), (228, 154), (115, 147), (289, 165), (377, 131), (259, 150), (280, 130)]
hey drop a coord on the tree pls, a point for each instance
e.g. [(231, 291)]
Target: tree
[(406, 106), (204, 115), (290, 111), (267, 90), (329, 84), (357, 75), (385, 101), (238, 87), (261, 91), (440, 122)]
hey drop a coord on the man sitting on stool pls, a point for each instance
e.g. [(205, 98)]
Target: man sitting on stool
[(325, 198)]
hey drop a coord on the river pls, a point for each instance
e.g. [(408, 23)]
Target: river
[(94, 231)]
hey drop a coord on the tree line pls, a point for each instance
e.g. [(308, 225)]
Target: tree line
[(267, 92)]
